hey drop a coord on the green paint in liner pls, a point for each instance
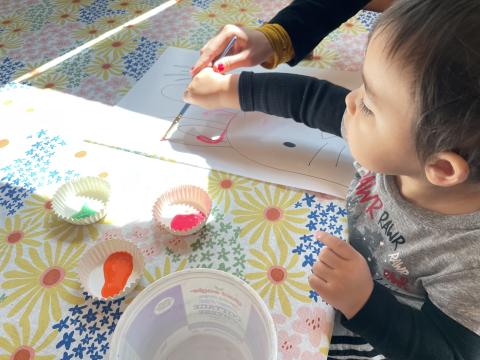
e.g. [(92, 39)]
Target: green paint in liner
[(84, 212)]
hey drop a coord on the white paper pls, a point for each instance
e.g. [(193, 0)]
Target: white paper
[(256, 145)]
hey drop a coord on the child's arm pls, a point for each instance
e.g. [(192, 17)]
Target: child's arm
[(401, 332), (316, 103)]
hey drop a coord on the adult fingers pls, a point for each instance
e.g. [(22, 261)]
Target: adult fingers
[(212, 49), (233, 62)]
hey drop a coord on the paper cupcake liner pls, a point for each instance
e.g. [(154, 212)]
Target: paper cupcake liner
[(91, 190), (90, 267), (185, 199)]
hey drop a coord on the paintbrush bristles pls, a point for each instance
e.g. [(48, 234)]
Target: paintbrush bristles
[(172, 125)]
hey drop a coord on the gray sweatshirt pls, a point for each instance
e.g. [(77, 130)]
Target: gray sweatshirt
[(426, 298)]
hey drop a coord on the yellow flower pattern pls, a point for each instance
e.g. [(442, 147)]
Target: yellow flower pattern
[(117, 45), (14, 235), (17, 29), (75, 4), (352, 26), (65, 232), (268, 212), (123, 4), (111, 22), (43, 281), (241, 19), (29, 68), (9, 42), (105, 67), (236, 7), (276, 279), (54, 81), (209, 17), (65, 15), (38, 208), (8, 21), (224, 187), (322, 57), (89, 32), (137, 9), (17, 345)]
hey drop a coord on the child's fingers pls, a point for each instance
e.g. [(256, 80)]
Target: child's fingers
[(328, 257), (322, 270), (317, 283), (338, 246)]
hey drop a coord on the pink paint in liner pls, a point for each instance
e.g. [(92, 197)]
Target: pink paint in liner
[(183, 222)]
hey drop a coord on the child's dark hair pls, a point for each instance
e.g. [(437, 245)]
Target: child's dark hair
[(438, 43)]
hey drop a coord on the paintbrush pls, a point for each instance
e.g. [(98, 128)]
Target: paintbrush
[(186, 106)]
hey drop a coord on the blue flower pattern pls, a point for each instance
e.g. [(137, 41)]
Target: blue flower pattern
[(87, 329), (23, 176), (323, 216), (96, 10), (139, 61)]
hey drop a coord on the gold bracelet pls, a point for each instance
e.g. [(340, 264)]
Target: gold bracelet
[(280, 42)]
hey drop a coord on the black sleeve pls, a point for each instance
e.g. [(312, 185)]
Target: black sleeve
[(400, 332), (316, 103), (307, 22)]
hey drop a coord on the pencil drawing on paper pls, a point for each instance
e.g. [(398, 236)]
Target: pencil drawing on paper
[(263, 141)]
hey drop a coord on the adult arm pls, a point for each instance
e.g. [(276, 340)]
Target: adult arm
[(307, 22)]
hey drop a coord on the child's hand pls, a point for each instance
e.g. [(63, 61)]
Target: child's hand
[(212, 90), (341, 276)]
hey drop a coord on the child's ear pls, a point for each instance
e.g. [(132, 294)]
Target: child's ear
[(446, 169)]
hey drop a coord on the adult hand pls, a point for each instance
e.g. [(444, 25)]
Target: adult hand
[(341, 276), (212, 90), (251, 48)]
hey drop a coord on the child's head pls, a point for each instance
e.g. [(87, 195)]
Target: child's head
[(418, 112)]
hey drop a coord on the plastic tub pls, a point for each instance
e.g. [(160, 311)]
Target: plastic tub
[(199, 314)]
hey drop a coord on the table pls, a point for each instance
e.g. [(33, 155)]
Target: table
[(260, 232)]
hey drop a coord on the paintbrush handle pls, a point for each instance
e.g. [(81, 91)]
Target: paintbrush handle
[(176, 120), (183, 111), (228, 47), (186, 106)]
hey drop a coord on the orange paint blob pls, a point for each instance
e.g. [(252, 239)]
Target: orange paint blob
[(116, 270)]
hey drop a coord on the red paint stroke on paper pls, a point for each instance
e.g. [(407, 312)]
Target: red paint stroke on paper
[(214, 139), (116, 270)]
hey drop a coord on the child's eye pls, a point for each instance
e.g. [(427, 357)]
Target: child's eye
[(364, 109)]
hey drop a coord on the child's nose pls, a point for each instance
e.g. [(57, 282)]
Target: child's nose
[(351, 103)]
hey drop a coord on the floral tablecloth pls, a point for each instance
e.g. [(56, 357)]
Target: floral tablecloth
[(262, 233)]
